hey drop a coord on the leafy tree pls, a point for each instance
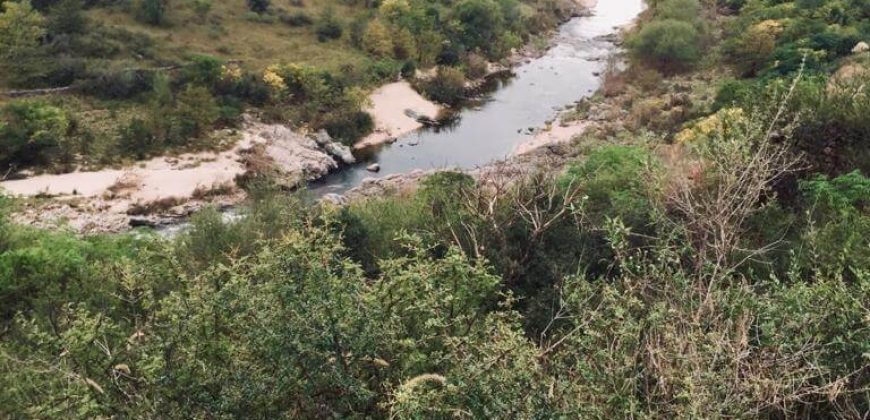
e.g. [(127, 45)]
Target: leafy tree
[(481, 24), (667, 44), (377, 40), (30, 132), (67, 17), (448, 86), (21, 28)]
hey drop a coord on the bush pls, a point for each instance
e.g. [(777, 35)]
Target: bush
[(152, 12), (31, 133), (682, 10), (136, 140), (377, 39), (670, 45), (476, 66), (350, 128), (409, 69), (296, 19), (194, 113), (120, 84), (616, 184), (328, 27), (447, 87), (259, 6)]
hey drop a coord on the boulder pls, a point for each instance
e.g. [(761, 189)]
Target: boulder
[(337, 150), (861, 47)]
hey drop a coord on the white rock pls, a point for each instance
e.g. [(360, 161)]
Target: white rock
[(861, 47)]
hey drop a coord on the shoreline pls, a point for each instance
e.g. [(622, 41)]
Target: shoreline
[(392, 122), (168, 189)]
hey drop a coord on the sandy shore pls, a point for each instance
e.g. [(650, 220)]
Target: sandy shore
[(389, 106), (103, 201), (148, 180), (554, 135)]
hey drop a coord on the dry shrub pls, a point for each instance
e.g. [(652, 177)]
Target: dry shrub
[(646, 79), (123, 186), (613, 79), (156, 206), (216, 190)]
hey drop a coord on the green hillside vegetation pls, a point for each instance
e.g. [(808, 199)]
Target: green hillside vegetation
[(732, 281)]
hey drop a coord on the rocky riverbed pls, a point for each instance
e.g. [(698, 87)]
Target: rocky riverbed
[(166, 189)]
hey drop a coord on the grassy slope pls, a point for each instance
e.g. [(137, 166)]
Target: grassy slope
[(229, 32)]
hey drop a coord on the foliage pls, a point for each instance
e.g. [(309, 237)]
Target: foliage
[(259, 6), (21, 28), (31, 132), (328, 26), (667, 44), (447, 86), (152, 12)]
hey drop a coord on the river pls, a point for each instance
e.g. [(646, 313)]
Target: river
[(493, 127)]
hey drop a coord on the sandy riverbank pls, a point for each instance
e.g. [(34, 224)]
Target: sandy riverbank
[(559, 133), (389, 106), (170, 187)]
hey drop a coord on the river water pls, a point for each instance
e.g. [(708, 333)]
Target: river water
[(492, 128)]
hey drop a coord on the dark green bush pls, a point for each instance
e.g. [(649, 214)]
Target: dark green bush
[(350, 128), (447, 86), (259, 6), (31, 132), (328, 27), (669, 45), (152, 12)]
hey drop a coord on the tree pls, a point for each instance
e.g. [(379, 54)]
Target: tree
[(152, 12), (259, 6), (21, 28), (376, 39), (447, 87), (29, 131), (668, 44), (67, 17), (481, 24)]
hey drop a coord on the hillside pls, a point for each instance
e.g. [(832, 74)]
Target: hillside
[(690, 241)]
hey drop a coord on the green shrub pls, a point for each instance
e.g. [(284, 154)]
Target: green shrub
[(136, 139), (31, 132), (350, 128), (152, 12), (616, 183), (120, 84), (194, 113), (409, 69), (259, 6), (447, 86), (328, 26), (682, 10), (667, 44)]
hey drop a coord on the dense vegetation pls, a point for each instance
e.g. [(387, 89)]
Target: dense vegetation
[(734, 282)]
